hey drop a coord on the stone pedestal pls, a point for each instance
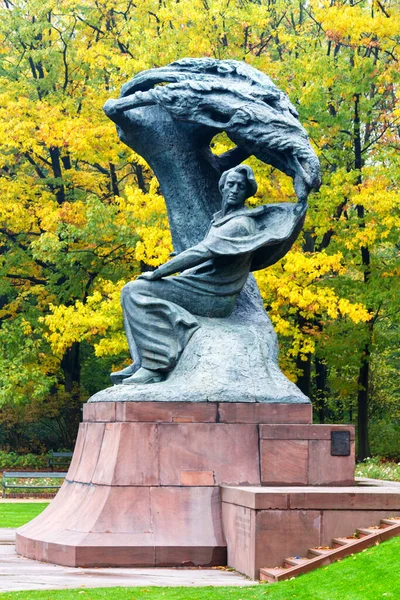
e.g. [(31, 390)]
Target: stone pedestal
[(143, 488), (265, 525)]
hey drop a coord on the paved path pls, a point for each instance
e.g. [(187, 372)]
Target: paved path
[(7, 536), (18, 573)]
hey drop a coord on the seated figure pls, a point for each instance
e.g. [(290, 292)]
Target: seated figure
[(160, 308)]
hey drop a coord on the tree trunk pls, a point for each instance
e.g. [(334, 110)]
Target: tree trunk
[(58, 187), (70, 364), (321, 391), (363, 397), (364, 371), (304, 380), (303, 366)]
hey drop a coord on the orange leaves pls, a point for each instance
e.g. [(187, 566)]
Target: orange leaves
[(73, 214), (358, 25)]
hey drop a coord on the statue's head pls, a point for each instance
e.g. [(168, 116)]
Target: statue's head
[(236, 185)]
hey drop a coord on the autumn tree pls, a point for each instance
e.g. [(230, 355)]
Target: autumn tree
[(80, 213)]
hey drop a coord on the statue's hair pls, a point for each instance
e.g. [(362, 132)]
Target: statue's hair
[(230, 96), (248, 174)]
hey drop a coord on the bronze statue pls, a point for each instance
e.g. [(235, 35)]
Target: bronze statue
[(204, 335), (159, 307)]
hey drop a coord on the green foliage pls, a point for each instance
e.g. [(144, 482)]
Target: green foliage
[(385, 439), (38, 424), (25, 462), (26, 374), (80, 213), (376, 468)]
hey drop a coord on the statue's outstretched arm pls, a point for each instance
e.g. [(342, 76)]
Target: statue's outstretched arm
[(185, 260)]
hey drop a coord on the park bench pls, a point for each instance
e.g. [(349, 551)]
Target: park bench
[(59, 459), (29, 475)]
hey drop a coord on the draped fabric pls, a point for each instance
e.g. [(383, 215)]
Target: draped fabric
[(157, 328), (269, 233), (160, 314)]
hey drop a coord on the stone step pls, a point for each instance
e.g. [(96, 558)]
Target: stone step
[(294, 561), (390, 521), (363, 531), (320, 551), (344, 541), (324, 555), (272, 574), (7, 536), (279, 574)]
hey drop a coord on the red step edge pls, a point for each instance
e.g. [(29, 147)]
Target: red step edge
[(276, 574)]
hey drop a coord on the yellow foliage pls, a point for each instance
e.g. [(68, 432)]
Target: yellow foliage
[(150, 214), (295, 286), (321, 52), (100, 315), (73, 214), (358, 25)]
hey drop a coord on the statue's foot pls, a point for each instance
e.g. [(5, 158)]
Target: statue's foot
[(144, 376), (118, 376)]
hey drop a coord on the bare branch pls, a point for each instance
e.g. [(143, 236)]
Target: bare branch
[(27, 278)]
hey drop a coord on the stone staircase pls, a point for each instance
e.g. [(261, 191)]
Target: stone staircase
[(341, 547)]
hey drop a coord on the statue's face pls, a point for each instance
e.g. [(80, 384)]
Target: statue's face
[(234, 192)]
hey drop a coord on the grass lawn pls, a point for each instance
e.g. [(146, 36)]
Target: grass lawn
[(370, 575), (15, 514)]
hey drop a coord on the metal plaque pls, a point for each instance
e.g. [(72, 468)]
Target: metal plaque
[(340, 443)]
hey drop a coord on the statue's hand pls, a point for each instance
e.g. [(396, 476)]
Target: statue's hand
[(149, 275)]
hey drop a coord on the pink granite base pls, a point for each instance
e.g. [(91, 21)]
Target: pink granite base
[(143, 488), (301, 455), (93, 526), (265, 525)]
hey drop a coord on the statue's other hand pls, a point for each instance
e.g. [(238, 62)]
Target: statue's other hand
[(149, 275)]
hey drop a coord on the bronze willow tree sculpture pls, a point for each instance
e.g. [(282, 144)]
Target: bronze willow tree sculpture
[(169, 116)]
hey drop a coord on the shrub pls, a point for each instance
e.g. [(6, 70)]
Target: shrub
[(384, 438), (376, 468), (20, 462)]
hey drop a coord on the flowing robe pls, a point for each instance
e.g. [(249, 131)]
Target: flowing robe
[(160, 314)]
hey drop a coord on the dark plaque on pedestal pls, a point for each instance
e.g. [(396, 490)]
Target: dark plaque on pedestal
[(340, 443)]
